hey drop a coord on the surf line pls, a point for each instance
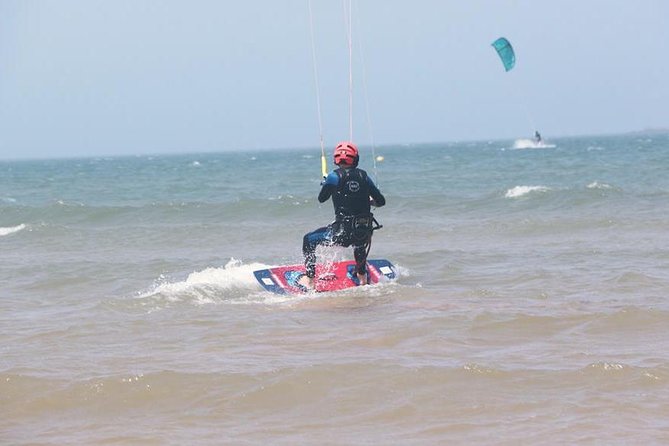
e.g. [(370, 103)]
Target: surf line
[(324, 163), (348, 6)]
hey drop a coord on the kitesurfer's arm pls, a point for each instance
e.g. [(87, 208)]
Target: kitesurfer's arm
[(378, 199), (329, 187)]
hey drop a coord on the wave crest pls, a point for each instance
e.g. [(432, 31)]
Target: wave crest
[(11, 229), (519, 191)]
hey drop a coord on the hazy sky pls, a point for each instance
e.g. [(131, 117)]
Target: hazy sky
[(105, 77)]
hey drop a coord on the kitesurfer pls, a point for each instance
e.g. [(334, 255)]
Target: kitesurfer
[(353, 193), (537, 136)]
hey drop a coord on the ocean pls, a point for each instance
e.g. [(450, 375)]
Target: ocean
[(531, 305)]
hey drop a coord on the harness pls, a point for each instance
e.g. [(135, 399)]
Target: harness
[(356, 230)]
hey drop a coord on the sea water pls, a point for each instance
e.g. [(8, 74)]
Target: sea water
[(531, 305)]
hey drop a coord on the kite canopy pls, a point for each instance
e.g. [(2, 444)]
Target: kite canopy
[(505, 51)]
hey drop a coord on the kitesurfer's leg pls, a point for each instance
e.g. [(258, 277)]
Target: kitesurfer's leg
[(310, 242), (360, 255)]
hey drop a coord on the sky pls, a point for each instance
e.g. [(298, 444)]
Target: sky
[(124, 77)]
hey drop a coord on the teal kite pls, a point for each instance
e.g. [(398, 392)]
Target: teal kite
[(505, 51)]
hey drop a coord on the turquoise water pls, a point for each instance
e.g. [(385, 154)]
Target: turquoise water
[(533, 287), (203, 209)]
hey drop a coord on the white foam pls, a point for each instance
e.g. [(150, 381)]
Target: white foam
[(596, 185), (11, 230), (64, 203), (235, 284), (234, 275), (531, 144), (519, 191)]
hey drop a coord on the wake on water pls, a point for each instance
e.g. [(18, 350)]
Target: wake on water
[(532, 144), (235, 284)]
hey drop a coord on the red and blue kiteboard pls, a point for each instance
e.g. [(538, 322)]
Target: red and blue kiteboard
[(329, 277)]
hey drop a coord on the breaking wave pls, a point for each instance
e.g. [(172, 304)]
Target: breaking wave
[(519, 191), (11, 229)]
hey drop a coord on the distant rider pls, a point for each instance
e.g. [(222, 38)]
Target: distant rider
[(353, 193), (537, 136)]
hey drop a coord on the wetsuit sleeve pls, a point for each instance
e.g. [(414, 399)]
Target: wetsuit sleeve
[(329, 187), (375, 193)]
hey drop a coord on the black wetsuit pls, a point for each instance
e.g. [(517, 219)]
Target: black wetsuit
[(350, 189)]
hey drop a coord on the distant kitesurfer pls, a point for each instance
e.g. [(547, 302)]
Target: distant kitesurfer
[(353, 193), (537, 136)]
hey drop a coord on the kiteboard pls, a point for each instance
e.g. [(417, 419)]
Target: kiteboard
[(329, 277)]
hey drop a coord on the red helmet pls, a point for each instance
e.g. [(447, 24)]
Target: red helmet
[(346, 153)]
